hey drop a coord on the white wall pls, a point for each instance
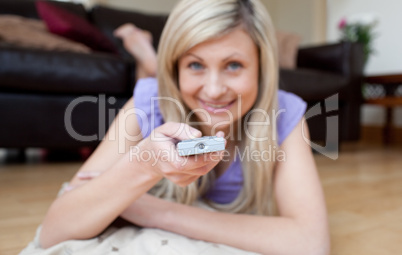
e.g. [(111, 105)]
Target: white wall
[(304, 17)]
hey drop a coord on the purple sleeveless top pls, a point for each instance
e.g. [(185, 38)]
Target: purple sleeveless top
[(227, 186)]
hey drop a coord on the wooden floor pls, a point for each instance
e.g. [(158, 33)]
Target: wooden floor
[(363, 189)]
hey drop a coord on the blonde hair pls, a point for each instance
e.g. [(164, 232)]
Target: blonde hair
[(191, 23)]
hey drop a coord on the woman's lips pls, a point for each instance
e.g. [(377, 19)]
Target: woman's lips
[(216, 107)]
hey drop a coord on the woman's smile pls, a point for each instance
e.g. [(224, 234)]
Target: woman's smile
[(216, 107)]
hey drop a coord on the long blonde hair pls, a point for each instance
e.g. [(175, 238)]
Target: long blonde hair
[(191, 23)]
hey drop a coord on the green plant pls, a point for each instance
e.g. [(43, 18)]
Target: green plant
[(359, 31)]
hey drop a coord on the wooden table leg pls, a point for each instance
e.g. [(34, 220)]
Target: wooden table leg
[(388, 126)]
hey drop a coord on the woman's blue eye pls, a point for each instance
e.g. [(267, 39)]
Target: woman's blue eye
[(233, 66), (195, 66)]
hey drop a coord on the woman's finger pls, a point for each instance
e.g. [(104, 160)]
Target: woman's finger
[(202, 163)]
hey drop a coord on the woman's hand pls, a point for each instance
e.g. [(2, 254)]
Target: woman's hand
[(158, 154)]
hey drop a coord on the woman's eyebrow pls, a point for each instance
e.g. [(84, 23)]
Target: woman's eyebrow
[(191, 54), (225, 59), (232, 55)]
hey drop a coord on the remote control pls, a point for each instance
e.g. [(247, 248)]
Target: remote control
[(201, 145)]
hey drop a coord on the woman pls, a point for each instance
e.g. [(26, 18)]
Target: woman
[(217, 75)]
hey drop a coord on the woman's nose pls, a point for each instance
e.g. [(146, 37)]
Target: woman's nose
[(214, 86)]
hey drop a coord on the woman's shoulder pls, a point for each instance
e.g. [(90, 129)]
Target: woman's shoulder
[(291, 111), (146, 86), (144, 90), (146, 105), (289, 101)]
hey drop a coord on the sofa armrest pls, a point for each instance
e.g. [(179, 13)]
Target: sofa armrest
[(343, 58), (63, 72)]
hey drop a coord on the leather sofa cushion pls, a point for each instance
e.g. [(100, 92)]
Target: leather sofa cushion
[(41, 71), (38, 120), (108, 19), (311, 84)]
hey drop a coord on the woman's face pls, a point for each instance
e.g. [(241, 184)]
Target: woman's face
[(219, 78)]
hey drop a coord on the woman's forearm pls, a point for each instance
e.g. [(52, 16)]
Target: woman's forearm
[(265, 235), (87, 210)]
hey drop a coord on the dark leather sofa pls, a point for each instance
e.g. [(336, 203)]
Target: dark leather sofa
[(37, 87), (324, 71)]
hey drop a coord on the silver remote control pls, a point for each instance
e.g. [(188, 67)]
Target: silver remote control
[(201, 145)]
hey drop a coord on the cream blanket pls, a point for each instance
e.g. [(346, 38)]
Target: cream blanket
[(132, 240)]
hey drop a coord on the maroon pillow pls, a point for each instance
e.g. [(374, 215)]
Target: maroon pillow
[(73, 27)]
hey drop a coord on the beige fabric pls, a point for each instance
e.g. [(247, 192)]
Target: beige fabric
[(288, 44), (31, 33), (131, 240)]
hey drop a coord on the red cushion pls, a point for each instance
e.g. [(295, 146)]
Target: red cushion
[(73, 27)]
